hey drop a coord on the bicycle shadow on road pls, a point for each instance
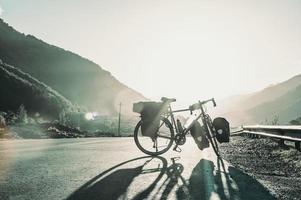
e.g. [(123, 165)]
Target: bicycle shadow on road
[(206, 183), (114, 185), (164, 185)]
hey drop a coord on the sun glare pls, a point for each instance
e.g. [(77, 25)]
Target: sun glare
[(90, 115)]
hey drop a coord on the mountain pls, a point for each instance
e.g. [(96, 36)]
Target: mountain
[(282, 101), (78, 79), (287, 107), (19, 88)]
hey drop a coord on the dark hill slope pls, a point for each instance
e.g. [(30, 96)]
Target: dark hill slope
[(78, 79), (287, 107), (17, 87), (273, 92), (280, 100)]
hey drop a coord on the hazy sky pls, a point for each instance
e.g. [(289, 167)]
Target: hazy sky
[(184, 49)]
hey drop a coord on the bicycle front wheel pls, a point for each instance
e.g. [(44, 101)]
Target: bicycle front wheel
[(211, 135), (160, 143)]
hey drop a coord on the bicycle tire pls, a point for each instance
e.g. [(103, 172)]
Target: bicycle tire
[(211, 137), (141, 148)]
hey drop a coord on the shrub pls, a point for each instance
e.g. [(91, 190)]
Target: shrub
[(296, 121), (2, 122)]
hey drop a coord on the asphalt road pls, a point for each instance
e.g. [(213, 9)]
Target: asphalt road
[(113, 168)]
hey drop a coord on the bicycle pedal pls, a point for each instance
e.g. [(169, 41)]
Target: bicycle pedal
[(178, 149)]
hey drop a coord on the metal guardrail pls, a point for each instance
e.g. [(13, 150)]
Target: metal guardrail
[(289, 133)]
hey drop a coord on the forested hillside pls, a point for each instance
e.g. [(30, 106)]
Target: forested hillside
[(79, 80), (18, 88)]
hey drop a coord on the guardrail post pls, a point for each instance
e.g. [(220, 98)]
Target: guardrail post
[(281, 142), (297, 145)]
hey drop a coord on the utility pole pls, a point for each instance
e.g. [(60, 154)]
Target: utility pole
[(119, 118)]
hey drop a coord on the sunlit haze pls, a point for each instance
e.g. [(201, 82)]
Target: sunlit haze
[(183, 49)]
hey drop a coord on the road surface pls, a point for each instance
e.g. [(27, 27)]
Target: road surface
[(113, 168)]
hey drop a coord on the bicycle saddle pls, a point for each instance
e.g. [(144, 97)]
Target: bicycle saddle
[(165, 99)]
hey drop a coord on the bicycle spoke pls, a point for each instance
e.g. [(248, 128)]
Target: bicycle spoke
[(161, 124), (156, 145), (163, 136), (162, 146)]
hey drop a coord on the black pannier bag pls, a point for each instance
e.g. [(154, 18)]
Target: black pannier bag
[(198, 134), (150, 114), (222, 128)]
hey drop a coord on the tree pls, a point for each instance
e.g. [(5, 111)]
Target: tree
[(2, 122), (22, 114), (275, 120), (272, 121), (62, 118), (296, 121)]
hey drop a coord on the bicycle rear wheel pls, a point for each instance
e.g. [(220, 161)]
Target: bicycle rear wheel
[(160, 143)]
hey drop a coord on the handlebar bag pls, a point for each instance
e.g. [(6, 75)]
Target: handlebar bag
[(149, 108), (198, 134), (222, 128), (150, 115)]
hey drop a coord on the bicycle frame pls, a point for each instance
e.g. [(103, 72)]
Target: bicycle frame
[(171, 115), (202, 115), (171, 112)]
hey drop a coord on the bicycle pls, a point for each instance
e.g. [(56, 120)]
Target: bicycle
[(163, 137)]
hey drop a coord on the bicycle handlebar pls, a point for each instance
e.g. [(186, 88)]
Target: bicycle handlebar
[(214, 103), (198, 105)]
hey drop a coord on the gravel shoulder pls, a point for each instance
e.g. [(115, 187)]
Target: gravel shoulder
[(277, 168)]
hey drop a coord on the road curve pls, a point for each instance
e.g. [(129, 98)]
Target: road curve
[(113, 168)]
